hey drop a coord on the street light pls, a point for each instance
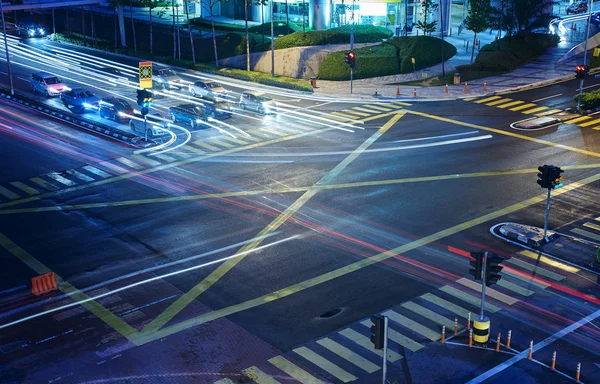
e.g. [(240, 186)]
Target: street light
[(12, 89)]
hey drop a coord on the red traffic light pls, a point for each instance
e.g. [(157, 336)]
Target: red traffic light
[(351, 55)]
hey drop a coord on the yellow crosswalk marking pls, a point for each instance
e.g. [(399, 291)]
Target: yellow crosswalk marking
[(191, 148), (251, 138), (489, 307), (279, 133), (368, 111), (60, 179), (412, 325), (597, 218), (129, 163), (596, 129), (293, 370), (526, 279), (24, 187), (469, 99), (486, 99), (512, 104), (515, 288), (549, 261), (379, 107), (146, 160), (398, 338), (180, 154), (587, 234), (588, 123), (112, 167), (592, 225), (496, 102), (224, 381), (259, 376), (431, 315), (235, 141), (552, 111), (80, 175), (402, 103), (163, 157), (522, 107), (530, 111), (256, 132), (578, 119), (365, 342), (348, 355), (325, 364), (535, 270), (209, 147), (8, 193), (216, 141), (345, 115), (490, 292), (97, 171), (456, 309), (44, 184), (353, 112)]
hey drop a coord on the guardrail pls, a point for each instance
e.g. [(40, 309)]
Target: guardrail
[(56, 114)]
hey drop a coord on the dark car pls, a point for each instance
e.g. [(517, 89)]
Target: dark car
[(80, 100), (117, 109), (217, 110), (156, 125), (30, 29), (192, 114), (580, 7), (120, 74), (595, 19)]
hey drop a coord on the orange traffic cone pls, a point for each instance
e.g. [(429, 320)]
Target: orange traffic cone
[(398, 91), (484, 86), (446, 88), (415, 92), (466, 87)]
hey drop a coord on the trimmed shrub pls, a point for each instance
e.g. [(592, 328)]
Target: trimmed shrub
[(425, 49), (589, 100)]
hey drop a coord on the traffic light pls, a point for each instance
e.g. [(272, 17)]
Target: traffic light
[(476, 265), (493, 268), (144, 98), (350, 59), (555, 178), (377, 331), (581, 71), (544, 176)]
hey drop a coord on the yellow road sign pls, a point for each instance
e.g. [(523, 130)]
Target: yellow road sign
[(596, 52), (145, 74)]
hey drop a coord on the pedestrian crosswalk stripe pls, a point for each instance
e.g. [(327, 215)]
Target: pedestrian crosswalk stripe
[(44, 184), (456, 309), (113, 167), (578, 119), (379, 107), (526, 279), (428, 313), (552, 111), (592, 226), (597, 218), (402, 104), (8, 193), (515, 288), (587, 234), (216, 141), (163, 157), (511, 104), (535, 270), (469, 99), (325, 364), (336, 119), (490, 292), (347, 354), (209, 147), (147, 160), (596, 129), (257, 133), (96, 171), (398, 338), (24, 187), (191, 148), (279, 133), (412, 325), (468, 298), (129, 163), (530, 111), (369, 111), (251, 138), (259, 376), (496, 102), (293, 370), (365, 342), (180, 154), (486, 99), (549, 261), (224, 381), (80, 175), (588, 123), (353, 112), (345, 115), (522, 107), (60, 179), (235, 141)]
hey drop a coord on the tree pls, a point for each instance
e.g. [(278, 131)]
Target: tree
[(531, 14), (151, 4), (428, 7), (477, 19), (442, 35), (210, 7), (132, 25), (262, 4), (247, 4), (187, 19)]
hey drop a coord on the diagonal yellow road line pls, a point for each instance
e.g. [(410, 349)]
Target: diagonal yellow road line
[(218, 273), (147, 337), (222, 195)]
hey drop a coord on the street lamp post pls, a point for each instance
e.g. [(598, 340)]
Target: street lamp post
[(12, 89), (272, 44), (587, 36)]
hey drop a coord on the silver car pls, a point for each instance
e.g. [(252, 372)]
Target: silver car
[(208, 89), (47, 83), (167, 79), (257, 101)]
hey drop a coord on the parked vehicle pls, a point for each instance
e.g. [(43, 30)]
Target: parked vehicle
[(575, 8), (80, 100), (46, 83), (207, 89), (257, 101), (115, 108), (166, 79), (156, 126), (192, 114)]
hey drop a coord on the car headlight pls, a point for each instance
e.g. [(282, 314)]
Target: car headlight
[(31, 32), (88, 106), (41, 31), (198, 120)]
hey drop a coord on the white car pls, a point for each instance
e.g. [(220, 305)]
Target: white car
[(166, 79), (207, 89)]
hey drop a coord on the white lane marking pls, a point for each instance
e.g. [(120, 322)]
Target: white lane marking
[(558, 335), (546, 98), (436, 137), (589, 86)]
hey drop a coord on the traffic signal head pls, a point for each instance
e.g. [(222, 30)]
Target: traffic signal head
[(493, 268), (581, 71), (555, 178), (544, 176), (350, 59), (144, 98), (476, 265), (377, 331)]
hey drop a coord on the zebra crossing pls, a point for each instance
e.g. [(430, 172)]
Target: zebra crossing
[(348, 356), (367, 110)]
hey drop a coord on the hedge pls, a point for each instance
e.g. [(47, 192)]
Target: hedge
[(589, 100), (389, 58), (258, 77)]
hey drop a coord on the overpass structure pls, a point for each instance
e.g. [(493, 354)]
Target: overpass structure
[(41, 4)]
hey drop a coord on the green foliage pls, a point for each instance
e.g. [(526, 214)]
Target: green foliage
[(389, 58), (589, 100), (428, 7), (258, 77), (478, 16)]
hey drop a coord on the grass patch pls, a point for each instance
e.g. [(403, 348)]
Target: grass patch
[(389, 58)]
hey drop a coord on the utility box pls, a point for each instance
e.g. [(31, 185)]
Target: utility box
[(456, 78), (313, 82)]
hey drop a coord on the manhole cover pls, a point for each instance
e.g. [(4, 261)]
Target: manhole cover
[(330, 313)]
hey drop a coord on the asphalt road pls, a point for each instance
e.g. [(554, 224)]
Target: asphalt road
[(256, 251)]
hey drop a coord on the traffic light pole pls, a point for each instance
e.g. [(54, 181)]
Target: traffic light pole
[(145, 128), (385, 347), (12, 89), (483, 267), (352, 50), (547, 214), (587, 36), (351, 75)]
